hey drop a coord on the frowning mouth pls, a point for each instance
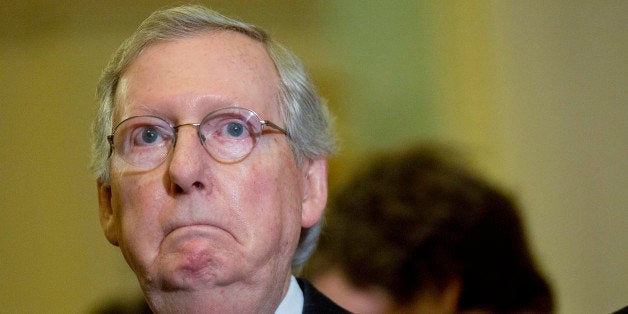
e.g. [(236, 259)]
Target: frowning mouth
[(196, 230)]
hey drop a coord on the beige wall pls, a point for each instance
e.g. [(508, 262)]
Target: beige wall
[(535, 92), (561, 73)]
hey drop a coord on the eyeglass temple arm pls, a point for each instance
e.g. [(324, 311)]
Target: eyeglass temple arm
[(274, 126)]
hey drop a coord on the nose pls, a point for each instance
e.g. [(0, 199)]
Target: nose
[(188, 169)]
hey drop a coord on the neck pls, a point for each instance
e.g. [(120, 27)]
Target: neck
[(262, 297)]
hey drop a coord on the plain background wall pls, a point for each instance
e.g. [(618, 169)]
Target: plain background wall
[(535, 92)]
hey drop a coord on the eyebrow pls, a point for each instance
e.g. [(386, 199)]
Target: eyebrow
[(166, 114)]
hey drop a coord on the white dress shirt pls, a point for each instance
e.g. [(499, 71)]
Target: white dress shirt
[(293, 301)]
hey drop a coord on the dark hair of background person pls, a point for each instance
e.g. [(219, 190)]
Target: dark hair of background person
[(414, 220)]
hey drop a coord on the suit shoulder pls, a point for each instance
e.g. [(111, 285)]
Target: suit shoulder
[(316, 302)]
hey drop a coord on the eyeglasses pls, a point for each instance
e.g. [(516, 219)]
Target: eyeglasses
[(228, 135)]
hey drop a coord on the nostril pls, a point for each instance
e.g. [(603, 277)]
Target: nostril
[(177, 189)]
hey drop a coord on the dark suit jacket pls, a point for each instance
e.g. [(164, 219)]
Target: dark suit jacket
[(315, 302)]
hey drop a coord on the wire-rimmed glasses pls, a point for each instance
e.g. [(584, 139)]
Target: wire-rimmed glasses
[(228, 135)]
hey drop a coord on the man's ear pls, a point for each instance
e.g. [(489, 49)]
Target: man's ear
[(106, 214), (314, 191)]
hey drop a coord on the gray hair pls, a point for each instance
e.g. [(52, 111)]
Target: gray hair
[(305, 115)]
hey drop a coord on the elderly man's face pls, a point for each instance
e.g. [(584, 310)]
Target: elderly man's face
[(193, 222)]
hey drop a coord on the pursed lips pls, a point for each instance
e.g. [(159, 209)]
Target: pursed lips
[(196, 228), (192, 215)]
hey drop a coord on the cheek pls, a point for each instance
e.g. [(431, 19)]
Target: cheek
[(139, 195), (275, 197), (136, 190), (137, 200), (276, 183)]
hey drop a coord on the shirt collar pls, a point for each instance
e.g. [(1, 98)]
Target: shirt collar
[(293, 301)]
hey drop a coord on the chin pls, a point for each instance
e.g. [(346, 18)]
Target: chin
[(202, 269)]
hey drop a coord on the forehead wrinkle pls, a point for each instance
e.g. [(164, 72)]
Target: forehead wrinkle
[(243, 53), (166, 109), (123, 109), (208, 103)]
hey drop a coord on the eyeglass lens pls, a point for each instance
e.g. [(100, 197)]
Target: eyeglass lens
[(228, 135)]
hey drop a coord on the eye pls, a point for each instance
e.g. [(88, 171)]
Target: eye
[(146, 136), (228, 126), (149, 135), (235, 129)]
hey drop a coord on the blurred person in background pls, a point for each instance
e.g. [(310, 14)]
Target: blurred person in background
[(415, 231)]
